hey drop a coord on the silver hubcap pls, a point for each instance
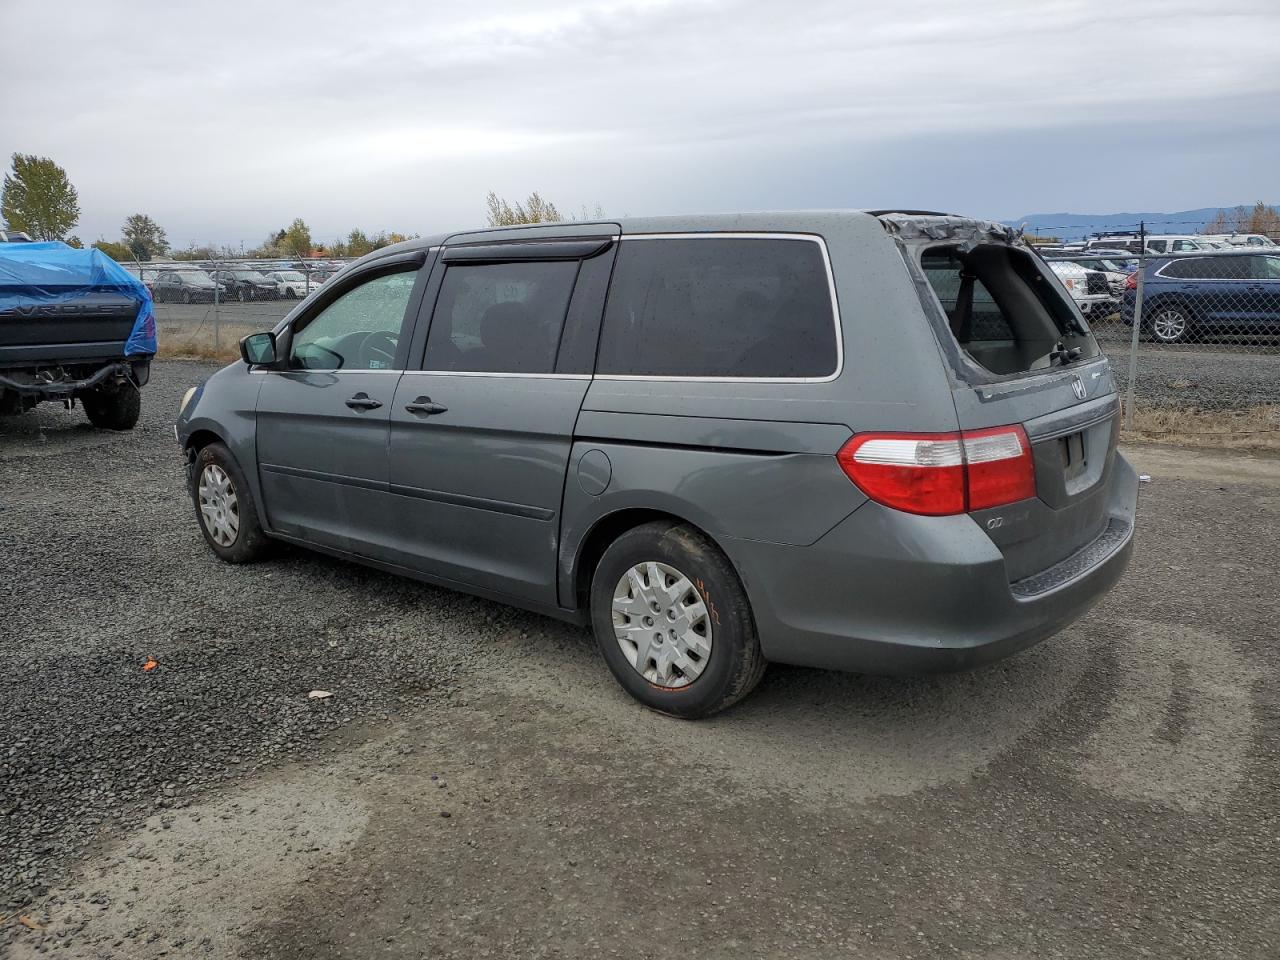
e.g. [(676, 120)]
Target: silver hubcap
[(219, 508), (1169, 324), (661, 624)]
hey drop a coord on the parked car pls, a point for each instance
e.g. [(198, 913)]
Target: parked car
[(247, 284), (186, 286), (719, 441), (291, 284), (1114, 265), (1198, 296), (138, 272), (75, 327), (1090, 289), (1168, 243), (1244, 240)]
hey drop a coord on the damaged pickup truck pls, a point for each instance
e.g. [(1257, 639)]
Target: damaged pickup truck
[(74, 326)]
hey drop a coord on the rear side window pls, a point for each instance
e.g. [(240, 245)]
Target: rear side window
[(1208, 268), (719, 307), (500, 317)]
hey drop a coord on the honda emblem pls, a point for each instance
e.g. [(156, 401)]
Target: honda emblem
[(1077, 385)]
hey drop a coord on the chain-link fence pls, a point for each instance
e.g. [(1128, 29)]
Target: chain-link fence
[(1193, 335), (204, 306)]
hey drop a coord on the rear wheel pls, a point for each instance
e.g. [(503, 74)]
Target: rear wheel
[(225, 509), (673, 622), (1170, 324), (113, 408)]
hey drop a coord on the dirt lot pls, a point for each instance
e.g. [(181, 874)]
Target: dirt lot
[(477, 785)]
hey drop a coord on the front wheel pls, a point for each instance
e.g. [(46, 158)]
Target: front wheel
[(673, 622), (225, 509), (114, 408), (289, 294), (186, 296)]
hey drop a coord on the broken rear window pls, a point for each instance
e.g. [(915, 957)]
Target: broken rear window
[(1002, 309)]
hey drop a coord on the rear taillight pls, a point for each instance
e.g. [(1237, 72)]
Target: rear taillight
[(938, 474), (1131, 282)]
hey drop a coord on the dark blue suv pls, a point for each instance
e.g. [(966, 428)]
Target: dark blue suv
[(1204, 294)]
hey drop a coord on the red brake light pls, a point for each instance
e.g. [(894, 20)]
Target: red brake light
[(1131, 282), (938, 474)]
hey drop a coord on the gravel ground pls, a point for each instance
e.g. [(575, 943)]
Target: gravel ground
[(104, 571), (1199, 376), (478, 785)]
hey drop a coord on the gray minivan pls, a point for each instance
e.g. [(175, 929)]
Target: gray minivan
[(875, 441)]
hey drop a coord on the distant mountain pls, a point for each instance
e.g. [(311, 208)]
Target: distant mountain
[(1075, 226)]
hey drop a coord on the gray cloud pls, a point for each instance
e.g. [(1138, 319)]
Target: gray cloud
[(226, 122)]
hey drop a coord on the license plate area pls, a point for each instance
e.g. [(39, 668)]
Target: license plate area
[(1074, 456)]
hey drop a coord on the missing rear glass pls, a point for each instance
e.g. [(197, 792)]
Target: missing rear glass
[(1003, 311)]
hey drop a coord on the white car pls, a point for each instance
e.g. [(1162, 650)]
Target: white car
[(1232, 240), (1090, 289), (292, 284)]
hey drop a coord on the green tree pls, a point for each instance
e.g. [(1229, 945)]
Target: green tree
[(296, 239), (38, 198), (533, 210), (116, 251), (144, 237), (74, 241), (358, 243)]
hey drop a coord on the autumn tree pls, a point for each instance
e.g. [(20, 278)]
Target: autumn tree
[(116, 251), (144, 238), (297, 238), (38, 199)]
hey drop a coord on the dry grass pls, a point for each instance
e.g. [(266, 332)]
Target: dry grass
[(1254, 428), (183, 342)]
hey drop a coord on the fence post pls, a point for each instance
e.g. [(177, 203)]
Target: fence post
[(216, 312), (1133, 343)]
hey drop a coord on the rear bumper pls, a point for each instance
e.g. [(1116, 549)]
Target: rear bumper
[(890, 593)]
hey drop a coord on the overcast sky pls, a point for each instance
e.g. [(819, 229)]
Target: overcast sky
[(225, 121)]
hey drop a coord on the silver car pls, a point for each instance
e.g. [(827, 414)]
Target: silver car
[(871, 441)]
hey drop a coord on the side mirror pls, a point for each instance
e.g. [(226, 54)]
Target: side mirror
[(258, 349)]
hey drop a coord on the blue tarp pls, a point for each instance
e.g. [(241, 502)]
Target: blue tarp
[(32, 274)]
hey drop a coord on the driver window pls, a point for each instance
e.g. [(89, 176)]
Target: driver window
[(359, 330)]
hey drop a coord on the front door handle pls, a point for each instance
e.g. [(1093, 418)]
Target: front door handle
[(362, 401), (424, 405)]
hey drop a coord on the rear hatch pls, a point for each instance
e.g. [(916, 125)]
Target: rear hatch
[(1021, 354)]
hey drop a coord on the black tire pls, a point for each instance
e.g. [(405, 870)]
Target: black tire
[(289, 294), (735, 664), (1169, 323), (186, 296), (249, 543), (113, 408), (241, 295)]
